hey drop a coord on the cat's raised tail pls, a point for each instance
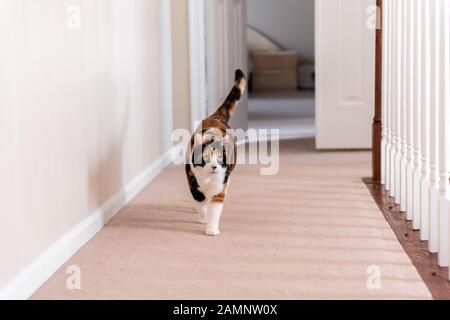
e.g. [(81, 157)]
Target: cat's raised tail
[(229, 107)]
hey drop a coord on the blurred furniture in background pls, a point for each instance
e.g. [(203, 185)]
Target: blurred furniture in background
[(271, 67), (306, 77), (275, 70)]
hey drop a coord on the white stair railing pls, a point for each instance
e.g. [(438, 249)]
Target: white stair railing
[(416, 116), (425, 120), (444, 132), (409, 108), (433, 193), (403, 108), (398, 101), (417, 59), (384, 109), (388, 58)]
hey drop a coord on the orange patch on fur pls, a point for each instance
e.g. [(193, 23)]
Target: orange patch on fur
[(219, 198)]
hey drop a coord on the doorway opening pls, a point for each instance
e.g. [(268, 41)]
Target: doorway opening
[(341, 63), (281, 49)]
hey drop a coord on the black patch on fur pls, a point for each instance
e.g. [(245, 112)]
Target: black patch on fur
[(227, 175), (197, 195), (193, 185), (239, 75), (235, 95)]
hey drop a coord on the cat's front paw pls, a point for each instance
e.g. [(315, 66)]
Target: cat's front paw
[(212, 232)]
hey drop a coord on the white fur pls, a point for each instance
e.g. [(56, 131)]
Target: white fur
[(211, 184), (213, 219)]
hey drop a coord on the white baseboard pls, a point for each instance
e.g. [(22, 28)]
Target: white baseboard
[(33, 277)]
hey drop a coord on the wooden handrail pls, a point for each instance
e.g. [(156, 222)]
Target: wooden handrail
[(377, 125)]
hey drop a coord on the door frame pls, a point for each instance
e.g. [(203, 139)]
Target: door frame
[(197, 52), (166, 78), (203, 88)]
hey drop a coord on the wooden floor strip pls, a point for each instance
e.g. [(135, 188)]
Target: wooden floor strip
[(435, 277)]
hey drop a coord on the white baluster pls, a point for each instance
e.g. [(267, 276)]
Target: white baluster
[(425, 119), (417, 115), (444, 138), (392, 96), (403, 157), (434, 125), (409, 110), (386, 76), (384, 99), (398, 99)]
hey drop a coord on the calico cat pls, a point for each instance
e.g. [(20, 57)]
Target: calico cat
[(211, 158)]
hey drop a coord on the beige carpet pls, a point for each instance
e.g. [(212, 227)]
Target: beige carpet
[(310, 232)]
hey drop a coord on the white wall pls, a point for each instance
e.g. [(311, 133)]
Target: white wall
[(80, 115), (289, 22)]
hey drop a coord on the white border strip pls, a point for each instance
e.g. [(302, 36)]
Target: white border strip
[(33, 277)]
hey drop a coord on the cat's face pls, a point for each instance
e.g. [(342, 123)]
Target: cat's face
[(213, 157), (210, 157)]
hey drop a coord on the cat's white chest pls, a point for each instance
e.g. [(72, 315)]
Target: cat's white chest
[(210, 185)]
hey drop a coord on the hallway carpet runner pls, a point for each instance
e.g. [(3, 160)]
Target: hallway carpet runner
[(311, 232)]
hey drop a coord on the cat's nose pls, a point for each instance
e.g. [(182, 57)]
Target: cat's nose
[(214, 168)]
